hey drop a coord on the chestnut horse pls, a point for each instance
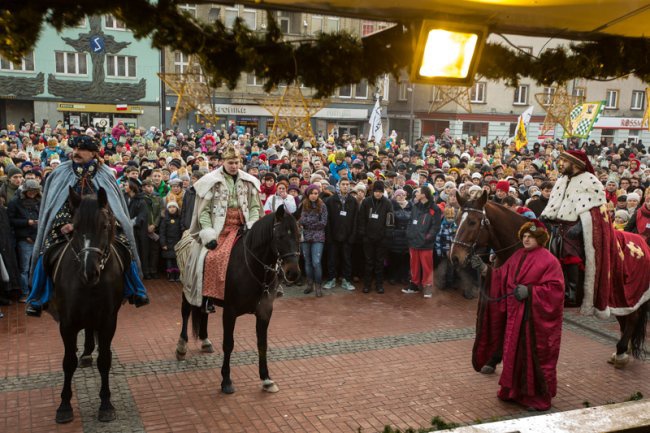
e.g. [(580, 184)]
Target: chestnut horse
[(483, 224)]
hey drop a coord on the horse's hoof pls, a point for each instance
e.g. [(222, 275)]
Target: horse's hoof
[(270, 386), (86, 361), (612, 359), (621, 361), (181, 349), (207, 347), (228, 389), (106, 415), (64, 416), (487, 369)]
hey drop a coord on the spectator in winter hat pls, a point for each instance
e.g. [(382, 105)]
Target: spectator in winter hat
[(502, 190)]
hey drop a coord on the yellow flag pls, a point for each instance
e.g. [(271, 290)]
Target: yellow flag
[(646, 115), (521, 140)]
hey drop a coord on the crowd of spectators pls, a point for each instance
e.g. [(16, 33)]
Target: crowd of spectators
[(368, 211)]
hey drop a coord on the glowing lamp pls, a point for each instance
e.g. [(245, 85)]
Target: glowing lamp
[(447, 54)]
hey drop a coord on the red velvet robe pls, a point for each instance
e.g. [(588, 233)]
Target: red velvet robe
[(528, 331)]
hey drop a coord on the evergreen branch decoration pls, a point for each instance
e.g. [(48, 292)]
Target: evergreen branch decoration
[(324, 63)]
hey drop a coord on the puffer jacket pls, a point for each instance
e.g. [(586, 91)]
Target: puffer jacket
[(425, 223), (399, 243)]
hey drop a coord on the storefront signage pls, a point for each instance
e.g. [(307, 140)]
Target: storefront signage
[(256, 110), (619, 123), (100, 108)]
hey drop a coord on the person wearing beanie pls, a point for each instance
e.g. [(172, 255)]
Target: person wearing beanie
[(375, 220), (531, 285), (621, 218), (340, 232), (421, 235), (569, 210), (23, 213), (155, 210), (8, 189), (170, 235), (501, 191), (312, 220), (632, 202)]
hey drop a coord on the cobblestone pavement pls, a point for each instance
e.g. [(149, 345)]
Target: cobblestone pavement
[(346, 362)]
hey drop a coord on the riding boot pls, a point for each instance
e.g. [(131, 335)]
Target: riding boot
[(309, 288), (572, 279), (319, 289), (279, 291)]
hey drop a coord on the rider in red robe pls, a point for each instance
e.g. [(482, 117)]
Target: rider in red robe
[(523, 316)]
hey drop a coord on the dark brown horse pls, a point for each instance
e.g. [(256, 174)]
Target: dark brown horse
[(88, 276), (265, 255), (483, 224)]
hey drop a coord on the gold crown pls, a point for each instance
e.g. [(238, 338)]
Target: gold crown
[(230, 152)]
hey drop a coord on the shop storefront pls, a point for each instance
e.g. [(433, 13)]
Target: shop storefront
[(100, 116), (620, 130)]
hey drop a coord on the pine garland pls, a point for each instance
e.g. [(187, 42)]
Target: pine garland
[(324, 63)]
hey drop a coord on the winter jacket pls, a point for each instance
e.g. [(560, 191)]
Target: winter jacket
[(376, 219), (425, 223), (444, 237), (342, 219), (138, 213), (313, 224), (538, 206), (20, 210), (170, 233), (399, 243), (155, 209)]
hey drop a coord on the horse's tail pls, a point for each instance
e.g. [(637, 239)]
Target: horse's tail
[(196, 321), (638, 335)]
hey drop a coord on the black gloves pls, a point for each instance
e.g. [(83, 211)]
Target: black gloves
[(211, 245), (521, 292), (476, 263)]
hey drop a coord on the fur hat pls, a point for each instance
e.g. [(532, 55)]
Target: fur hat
[(536, 230), (579, 159)]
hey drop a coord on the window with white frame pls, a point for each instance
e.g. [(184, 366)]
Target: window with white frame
[(638, 100), (549, 92), (250, 18), (230, 16), (284, 21), (332, 24), (367, 27), (611, 100), (521, 95), (316, 24), (251, 80), (361, 90), (190, 8), (113, 23), (181, 62), (120, 66), (26, 64), (477, 93), (402, 91), (345, 91), (71, 63), (580, 92)]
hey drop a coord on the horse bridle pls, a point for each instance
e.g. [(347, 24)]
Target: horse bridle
[(275, 269), (485, 222), (104, 254)]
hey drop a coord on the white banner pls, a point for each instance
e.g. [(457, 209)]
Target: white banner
[(376, 128)]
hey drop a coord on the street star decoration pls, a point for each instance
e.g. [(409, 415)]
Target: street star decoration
[(194, 93), (447, 94), (292, 113), (558, 110)]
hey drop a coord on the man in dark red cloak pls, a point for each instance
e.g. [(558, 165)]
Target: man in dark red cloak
[(523, 317)]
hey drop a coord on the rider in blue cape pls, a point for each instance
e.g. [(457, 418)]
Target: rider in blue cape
[(85, 173)]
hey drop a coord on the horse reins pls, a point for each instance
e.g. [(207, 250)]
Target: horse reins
[(485, 222), (274, 270)]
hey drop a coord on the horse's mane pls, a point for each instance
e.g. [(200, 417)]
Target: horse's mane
[(261, 233)]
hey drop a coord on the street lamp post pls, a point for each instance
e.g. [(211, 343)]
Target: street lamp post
[(411, 116)]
